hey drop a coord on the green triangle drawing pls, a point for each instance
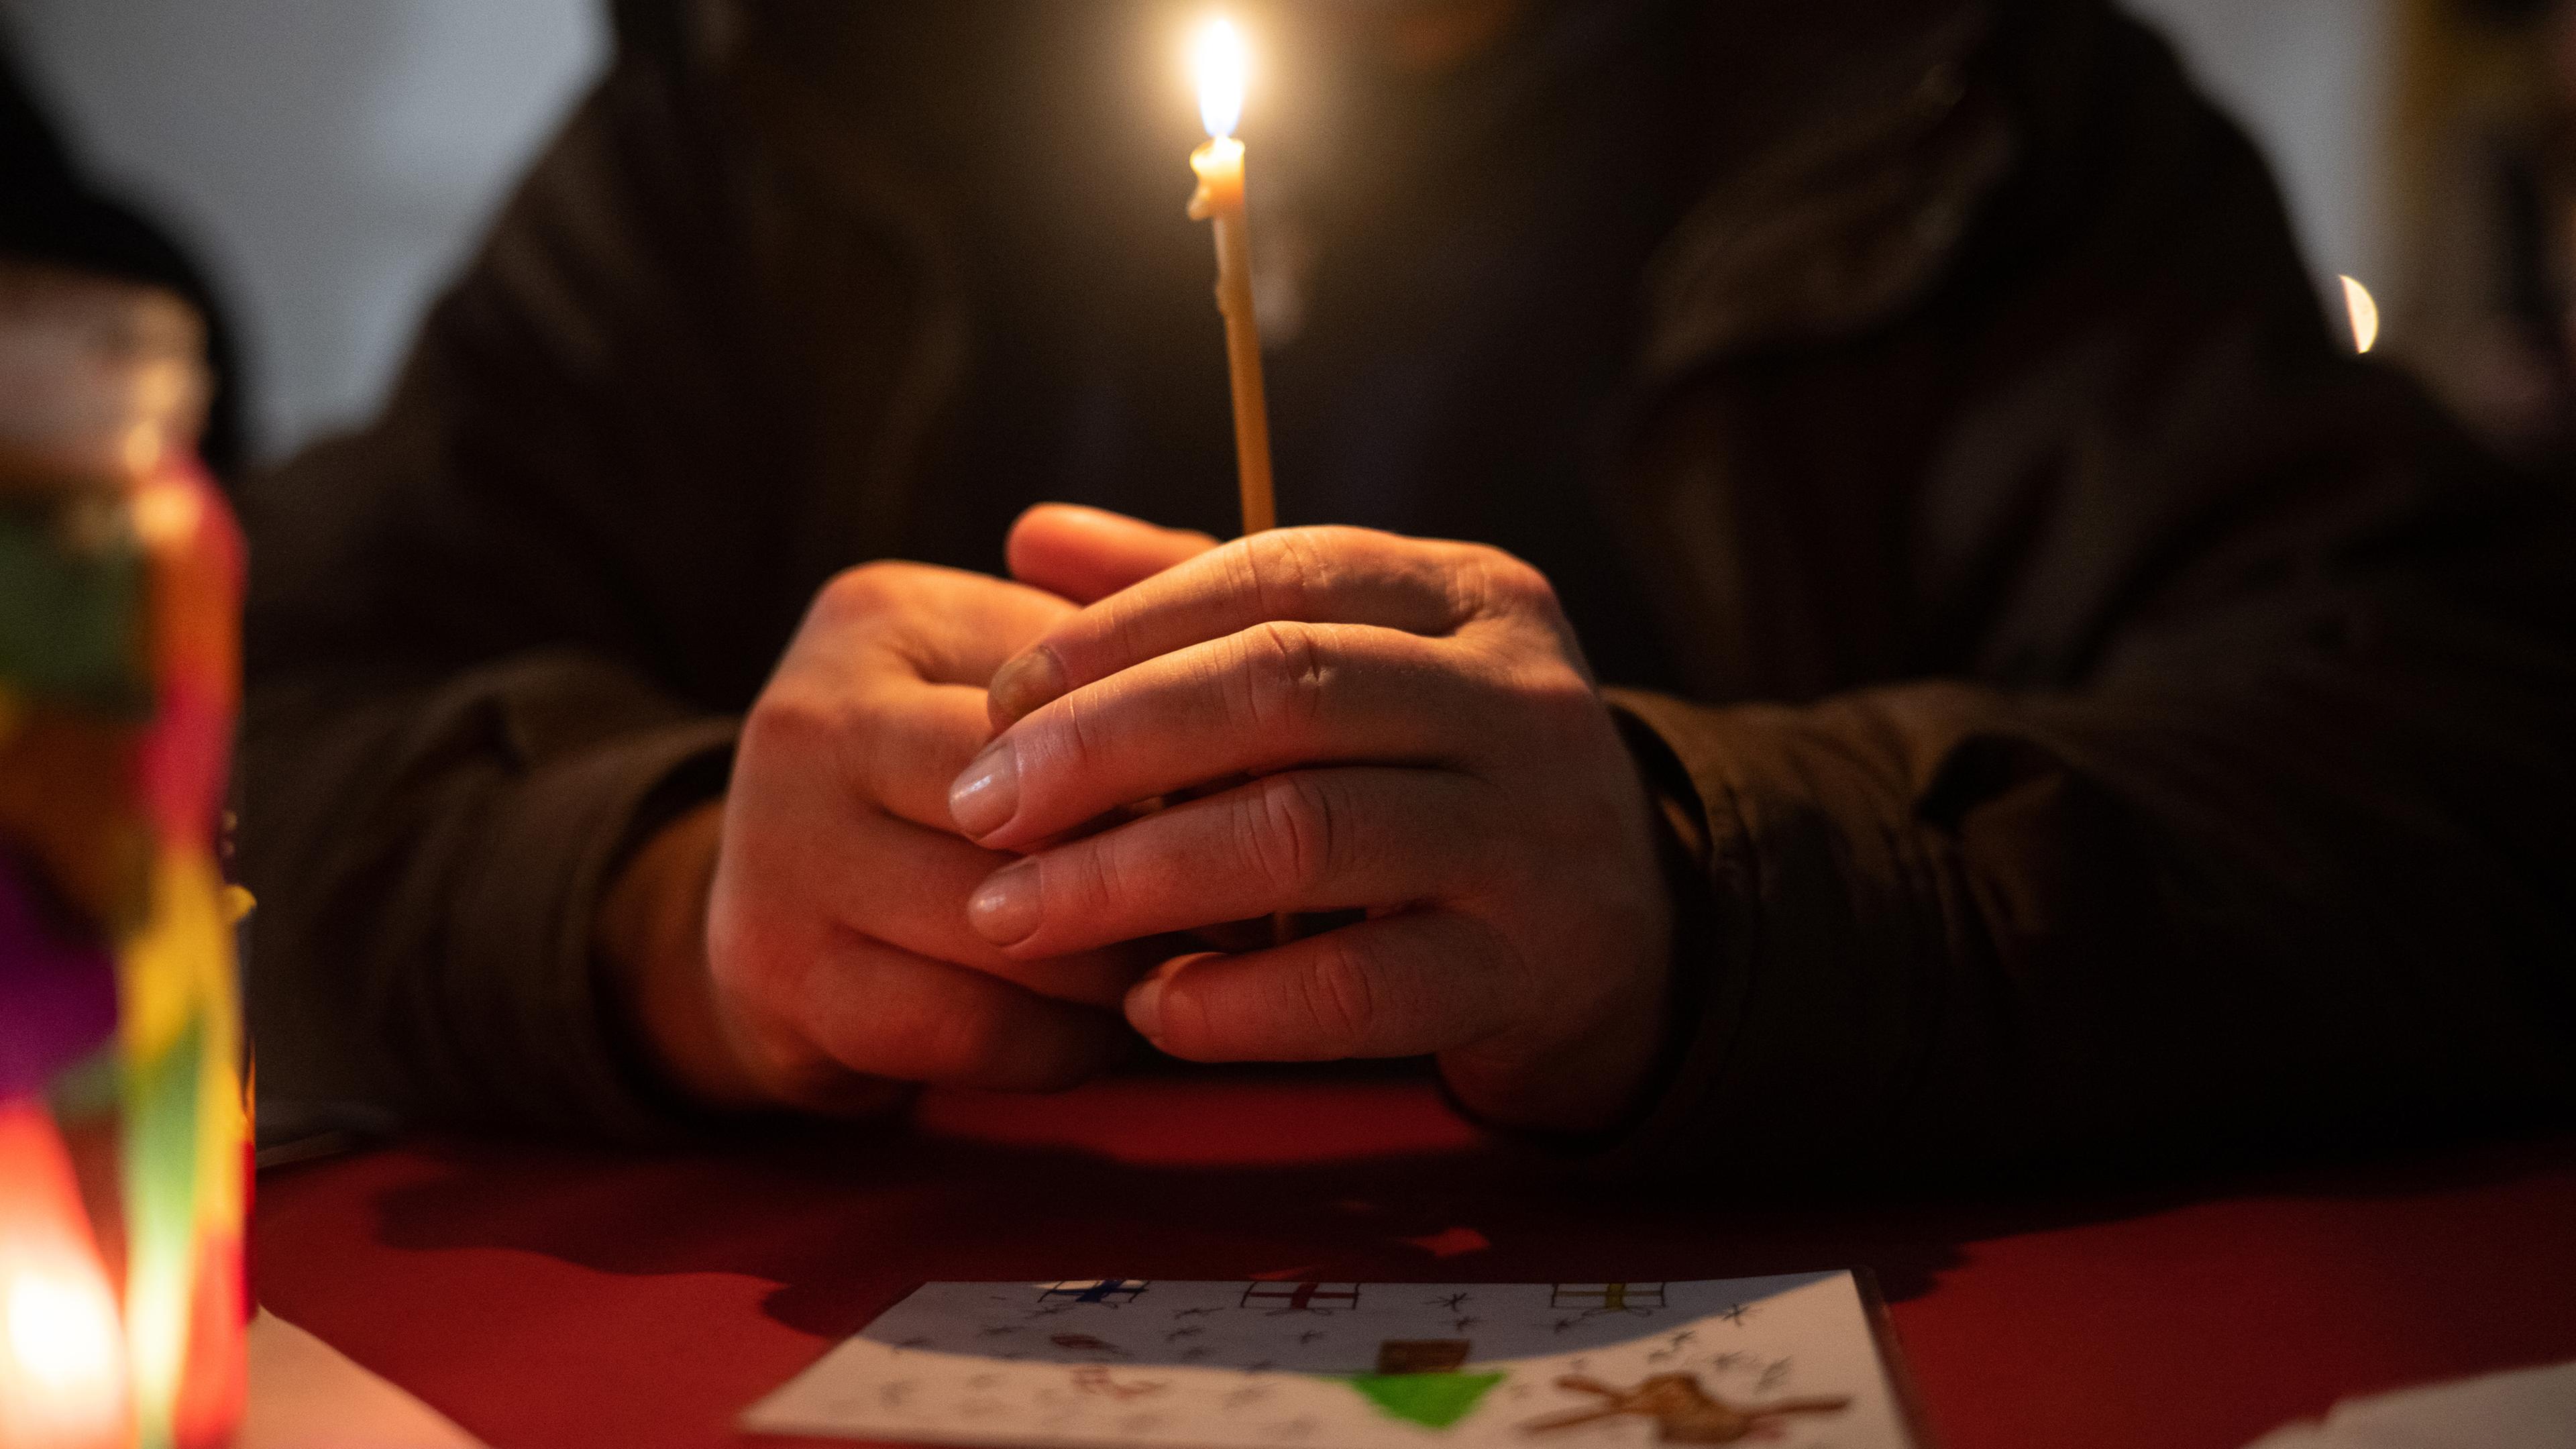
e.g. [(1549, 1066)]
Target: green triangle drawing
[(1435, 1401)]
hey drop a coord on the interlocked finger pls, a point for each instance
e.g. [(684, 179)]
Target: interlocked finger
[(1306, 840), (1410, 984), (1295, 575), (885, 1012), (1268, 698)]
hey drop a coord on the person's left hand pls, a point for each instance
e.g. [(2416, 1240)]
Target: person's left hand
[(1373, 722)]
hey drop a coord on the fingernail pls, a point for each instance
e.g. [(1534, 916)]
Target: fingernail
[(1004, 909), (1021, 686), (987, 795), (1145, 1007)]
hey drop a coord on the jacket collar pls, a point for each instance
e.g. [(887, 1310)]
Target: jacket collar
[(1844, 175), (1846, 147)]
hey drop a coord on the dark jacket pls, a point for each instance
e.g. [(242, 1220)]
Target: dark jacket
[(2094, 710)]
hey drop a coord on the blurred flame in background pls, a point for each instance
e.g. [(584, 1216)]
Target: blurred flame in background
[(2365, 314)]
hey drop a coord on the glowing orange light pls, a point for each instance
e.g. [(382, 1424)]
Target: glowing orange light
[(62, 1329), (62, 1351)]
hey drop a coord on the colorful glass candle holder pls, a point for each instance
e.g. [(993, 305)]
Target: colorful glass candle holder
[(123, 1119)]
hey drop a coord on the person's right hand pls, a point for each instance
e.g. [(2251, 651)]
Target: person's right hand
[(805, 943)]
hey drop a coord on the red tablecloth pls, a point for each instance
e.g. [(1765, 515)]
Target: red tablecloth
[(550, 1297)]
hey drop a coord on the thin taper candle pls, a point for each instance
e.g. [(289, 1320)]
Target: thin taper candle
[(1223, 70), (1219, 164)]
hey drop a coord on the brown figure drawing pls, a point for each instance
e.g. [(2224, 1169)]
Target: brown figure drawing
[(1685, 1413)]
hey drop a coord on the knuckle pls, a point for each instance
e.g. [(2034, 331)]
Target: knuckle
[(861, 754), (1545, 686), (1070, 735), (1286, 571), (1094, 883), (856, 742), (1569, 711), (1288, 675), (1498, 582), (1089, 650), (1292, 831), (1340, 994), (786, 720), (839, 736), (1193, 1029), (863, 589)]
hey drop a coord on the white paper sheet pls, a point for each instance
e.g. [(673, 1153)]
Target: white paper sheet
[(1788, 1362), (305, 1394), (2525, 1409)]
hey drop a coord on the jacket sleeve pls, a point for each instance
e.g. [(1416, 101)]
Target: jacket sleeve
[(502, 632), (2232, 808)]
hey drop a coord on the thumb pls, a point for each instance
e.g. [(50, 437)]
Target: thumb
[(1087, 554)]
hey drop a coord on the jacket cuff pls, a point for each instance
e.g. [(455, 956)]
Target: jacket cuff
[(1807, 986), (556, 1045), (1683, 843), (1681, 846)]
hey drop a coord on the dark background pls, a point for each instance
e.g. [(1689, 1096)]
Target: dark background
[(328, 161)]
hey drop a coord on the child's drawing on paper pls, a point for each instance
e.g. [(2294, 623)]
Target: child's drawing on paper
[(1097, 1380), (1781, 1361), (1593, 1298), (1685, 1413)]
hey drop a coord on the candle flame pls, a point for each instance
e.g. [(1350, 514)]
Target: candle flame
[(2365, 314), (1222, 66)]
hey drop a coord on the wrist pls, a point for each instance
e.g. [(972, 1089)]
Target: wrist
[(1604, 1058), (1593, 1083), (651, 937)]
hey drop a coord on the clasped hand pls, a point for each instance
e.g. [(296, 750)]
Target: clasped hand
[(1336, 720)]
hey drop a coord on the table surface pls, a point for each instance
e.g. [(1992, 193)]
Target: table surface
[(546, 1296)]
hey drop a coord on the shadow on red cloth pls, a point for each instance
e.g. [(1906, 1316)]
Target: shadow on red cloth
[(583, 1298), (1234, 1178)]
